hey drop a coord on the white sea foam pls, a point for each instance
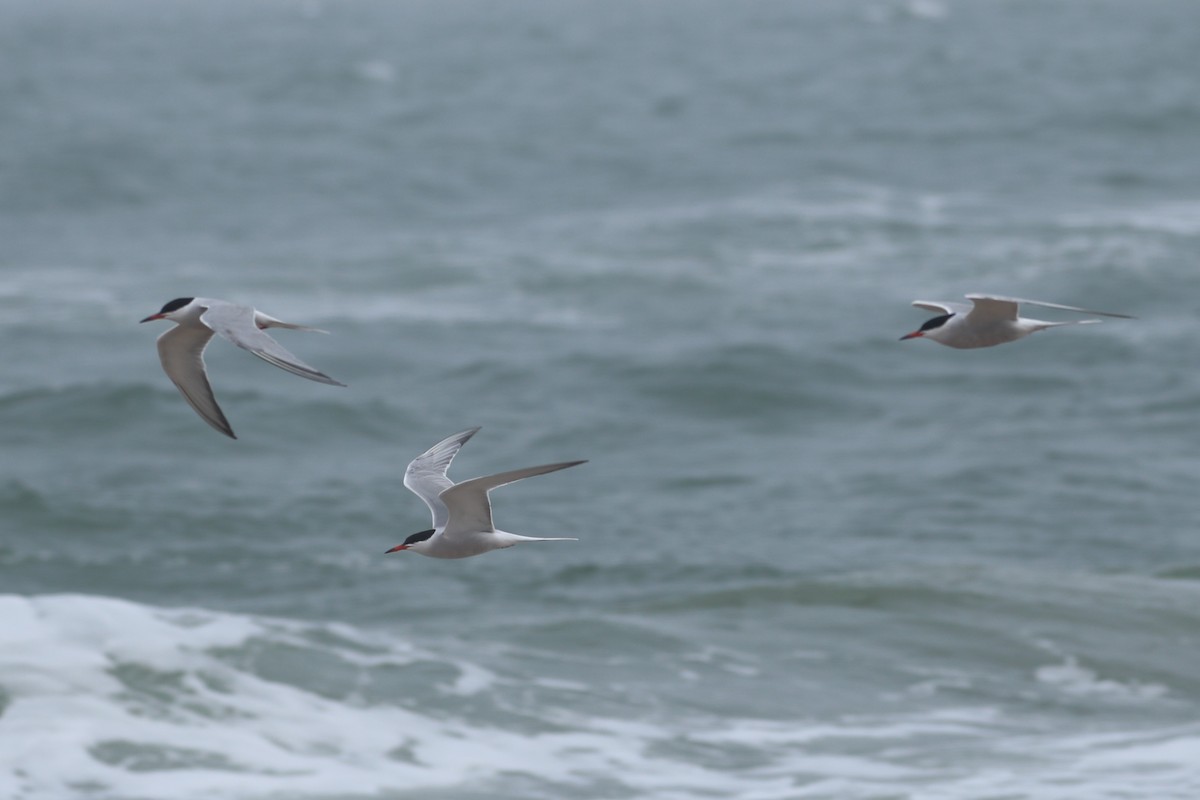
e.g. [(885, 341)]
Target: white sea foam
[(105, 697), (1075, 679), (147, 702)]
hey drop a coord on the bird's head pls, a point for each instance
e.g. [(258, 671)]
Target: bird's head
[(931, 325), (171, 309), (418, 542)]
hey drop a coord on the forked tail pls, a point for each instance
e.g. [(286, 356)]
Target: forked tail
[(266, 321), (291, 327), (1044, 325)]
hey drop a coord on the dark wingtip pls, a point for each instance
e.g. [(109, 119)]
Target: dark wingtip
[(465, 436)]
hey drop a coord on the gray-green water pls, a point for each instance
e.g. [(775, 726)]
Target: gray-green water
[(679, 240)]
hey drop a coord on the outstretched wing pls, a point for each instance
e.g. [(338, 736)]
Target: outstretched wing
[(986, 308), (468, 504), (426, 474), (181, 351), (236, 323), (977, 298)]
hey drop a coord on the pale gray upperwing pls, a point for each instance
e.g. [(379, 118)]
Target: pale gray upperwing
[(468, 503), (426, 474), (976, 298), (236, 323)]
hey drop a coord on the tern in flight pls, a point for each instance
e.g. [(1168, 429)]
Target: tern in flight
[(989, 321), (196, 319), (462, 513)]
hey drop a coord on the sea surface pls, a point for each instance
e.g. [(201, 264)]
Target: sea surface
[(678, 239)]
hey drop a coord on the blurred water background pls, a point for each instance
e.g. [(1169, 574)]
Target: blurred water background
[(678, 239)]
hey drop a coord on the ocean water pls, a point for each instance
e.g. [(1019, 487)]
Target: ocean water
[(678, 239)]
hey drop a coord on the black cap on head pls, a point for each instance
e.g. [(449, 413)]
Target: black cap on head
[(175, 305), (936, 322), (419, 537)]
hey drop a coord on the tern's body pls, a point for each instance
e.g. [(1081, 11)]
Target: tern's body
[(989, 321), (197, 319), (462, 512)]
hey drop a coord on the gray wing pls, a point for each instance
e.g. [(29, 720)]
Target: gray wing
[(468, 504), (986, 308), (236, 323), (941, 307), (977, 298), (426, 474), (181, 351)]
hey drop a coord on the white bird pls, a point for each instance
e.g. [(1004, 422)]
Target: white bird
[(988, 321), (196, 319), (462, 513)]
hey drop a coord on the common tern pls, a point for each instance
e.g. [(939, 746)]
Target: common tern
[(196, 319), (989, 321), (462, 512)]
